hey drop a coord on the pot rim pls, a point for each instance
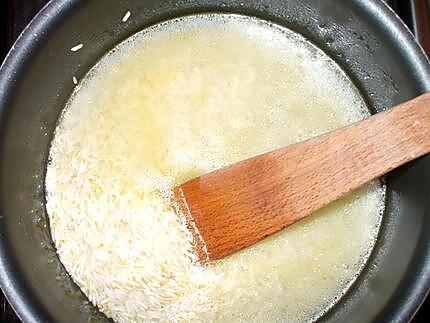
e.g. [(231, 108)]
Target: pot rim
[(29, 311)]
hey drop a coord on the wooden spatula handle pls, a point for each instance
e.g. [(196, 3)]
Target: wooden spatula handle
[(241, 204)]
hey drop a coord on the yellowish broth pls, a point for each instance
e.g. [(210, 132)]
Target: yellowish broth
[(176, 101)]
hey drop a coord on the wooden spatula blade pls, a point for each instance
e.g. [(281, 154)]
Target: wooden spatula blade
[(236, 206)]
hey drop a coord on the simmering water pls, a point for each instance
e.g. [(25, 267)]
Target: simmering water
[(178, 100)]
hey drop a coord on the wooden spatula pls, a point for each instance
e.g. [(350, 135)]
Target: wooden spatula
[(234, 207)]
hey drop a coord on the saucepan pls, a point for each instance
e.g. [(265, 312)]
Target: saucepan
[(364, 37)]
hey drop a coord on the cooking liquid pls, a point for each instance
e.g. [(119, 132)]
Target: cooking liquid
[(178, 100)]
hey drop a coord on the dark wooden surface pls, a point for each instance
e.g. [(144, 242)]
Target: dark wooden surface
[(15, 14), (420, 23)]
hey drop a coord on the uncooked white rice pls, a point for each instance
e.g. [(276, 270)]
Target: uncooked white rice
[(178, 100), (77, 47)]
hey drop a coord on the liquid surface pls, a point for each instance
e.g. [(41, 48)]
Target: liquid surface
[(175, 101)]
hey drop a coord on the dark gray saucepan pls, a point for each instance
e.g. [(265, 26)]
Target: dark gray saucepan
[(363, 36)]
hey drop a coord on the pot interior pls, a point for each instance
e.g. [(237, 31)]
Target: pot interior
[(363, 37)]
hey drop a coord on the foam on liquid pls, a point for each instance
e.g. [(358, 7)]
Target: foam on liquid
[(173, 102)]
